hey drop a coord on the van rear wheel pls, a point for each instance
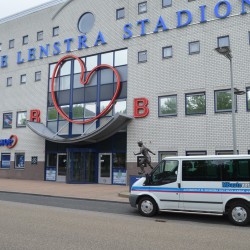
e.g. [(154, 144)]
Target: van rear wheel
[(147, 207), (239, 214)]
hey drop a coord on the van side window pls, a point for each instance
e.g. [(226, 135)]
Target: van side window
[(165, 173), (236, 170), (200, 170)]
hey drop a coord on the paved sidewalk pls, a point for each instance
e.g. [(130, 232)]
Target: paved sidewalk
[(82, 191)]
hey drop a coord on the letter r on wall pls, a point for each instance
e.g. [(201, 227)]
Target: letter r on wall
[(35, 115), (141, 107)]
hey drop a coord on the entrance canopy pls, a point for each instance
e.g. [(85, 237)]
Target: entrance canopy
[(112, 126)]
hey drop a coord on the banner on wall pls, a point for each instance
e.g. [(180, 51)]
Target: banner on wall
[(5, 163), (119, 176)]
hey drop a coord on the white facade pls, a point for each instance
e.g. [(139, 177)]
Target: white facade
[(183, 73)]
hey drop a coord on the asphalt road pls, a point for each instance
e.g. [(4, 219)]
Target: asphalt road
[(39, 222)]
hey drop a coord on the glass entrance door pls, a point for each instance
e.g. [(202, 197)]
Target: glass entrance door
[(82, 166), (105, 168), (61, 167)]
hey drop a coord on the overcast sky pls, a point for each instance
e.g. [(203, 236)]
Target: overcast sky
[(10, 7)]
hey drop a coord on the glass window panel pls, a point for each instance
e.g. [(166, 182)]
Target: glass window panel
[(21, 119), (194, 47), (195, 103), (7, 120), (56, 84), (121, 57), (78, 110), (91, 62), (107, 76), (223, 101), (86, 22), (65, 69), (223, 41), (248, 99), (168, 105), (142, 56), (52, 114), (90, 110), (9, 81), (166, 3), (121, 107), (107, 92), (120, 13), (77, 129), (23, 79), (77, 68), (123, 72), (52, 126), (107, 58), (142, 7), (51, 69), (38, 76), (19, 160), (92, 80), (63, 128), (39, 35), (64, 108), (103, 105), (89, 127), (64, 82), (90, 94), (167, 52)]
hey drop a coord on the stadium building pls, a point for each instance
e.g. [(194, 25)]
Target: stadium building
[(83, 81)]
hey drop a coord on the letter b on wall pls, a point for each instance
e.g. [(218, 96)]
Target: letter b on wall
[(141, 107)]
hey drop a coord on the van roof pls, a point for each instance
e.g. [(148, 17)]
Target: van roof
[(207, 157)]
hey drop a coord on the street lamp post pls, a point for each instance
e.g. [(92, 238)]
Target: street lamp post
[(225, 51)]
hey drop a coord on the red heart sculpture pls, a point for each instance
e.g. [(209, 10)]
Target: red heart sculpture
[(55, 73)]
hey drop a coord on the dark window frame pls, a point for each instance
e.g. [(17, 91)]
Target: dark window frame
[(166, 115), (25, 40), (141, 3), (9, 81), (12, 44), (248, 98), (38, 73), (20, 125), (221, 37), (167, 47), (55, 31), (195, 93), (140, 52), (4, 114), (21, 79), (215, 101), (166, 5), (117, 13), (38, 35), (16, 161), (189, 48)]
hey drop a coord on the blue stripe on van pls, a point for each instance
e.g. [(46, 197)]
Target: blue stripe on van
[(193, 190)]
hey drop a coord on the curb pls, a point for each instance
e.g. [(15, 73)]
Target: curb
[(124, 194)]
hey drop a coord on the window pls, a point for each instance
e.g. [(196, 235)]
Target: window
[(193, 153), (167, 105), (167, 52), (142, 7), (78, 110), (201, 170), (5, 160), (224, 152), (52, 114), (38, 76), (7, 120), (56, 31), (223, 41), (195, 103), (9, 81), (19, 160), (23, 79), (39, 35), (142, 56), (163, 154), (11, 44), (164, 172), (223, 101), (194, 47), (25, 40), (120, 13), (166, 3), (21, 119), (86, 22), (0, 46), (248, 99)]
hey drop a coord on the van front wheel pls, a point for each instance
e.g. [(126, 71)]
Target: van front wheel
[(239, 214), (147, 207)]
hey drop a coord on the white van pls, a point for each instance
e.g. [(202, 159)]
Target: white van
[(218, 184)]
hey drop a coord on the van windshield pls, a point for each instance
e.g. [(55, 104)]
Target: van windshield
[(164, 173)]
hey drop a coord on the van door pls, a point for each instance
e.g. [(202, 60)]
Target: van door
[(164, 184), (201, 185)]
